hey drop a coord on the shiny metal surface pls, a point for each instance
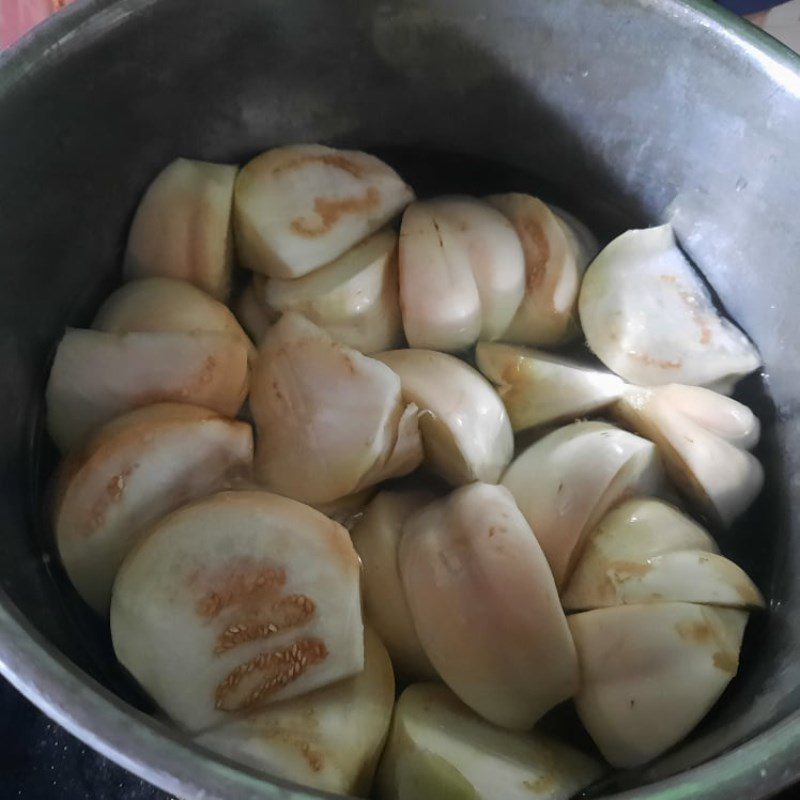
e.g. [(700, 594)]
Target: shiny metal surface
[(637, 110)]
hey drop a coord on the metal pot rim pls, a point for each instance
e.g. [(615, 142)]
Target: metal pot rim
[(159, 754)]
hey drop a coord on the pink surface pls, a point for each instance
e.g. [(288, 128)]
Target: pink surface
[(18, 16)]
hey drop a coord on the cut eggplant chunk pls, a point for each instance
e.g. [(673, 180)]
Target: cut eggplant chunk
[(133, 471), (237, 601)]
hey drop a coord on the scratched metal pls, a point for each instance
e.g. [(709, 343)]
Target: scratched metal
[(634, 111)]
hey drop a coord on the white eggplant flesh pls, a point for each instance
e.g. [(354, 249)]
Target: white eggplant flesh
[(235, 602), (166, 304), (97, 376), (703, 438), (439, 297), (547, 315), (329, 739), (354, 298), (648, 316), (133, 471), (646, 551), (182, 227), (650, 673), (465, 428), (376, 538), (566, 482), (302, 206), (438, 748), (539, 388), (496, 258), (485, 606), (330, 420)]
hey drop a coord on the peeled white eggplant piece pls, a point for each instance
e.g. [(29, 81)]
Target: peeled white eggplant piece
[(566, 482), (235, 602), (251, 313), (302, 206), (98, 375), (182, 227), (465, 428), (354, 298), (485, 606), (702, 437), (646, 551), (439, 298), (440, 749), (582, 240), (329, 739), (495, 256), (131, 473), (553, 266), (166, 304), (376, 538), (650, 673), (539, 388), (331, 421), (649, 317)]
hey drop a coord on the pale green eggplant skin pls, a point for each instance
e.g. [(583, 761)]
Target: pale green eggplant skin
[(438, 749)]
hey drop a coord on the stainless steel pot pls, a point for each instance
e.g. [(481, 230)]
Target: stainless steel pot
[(638, 110)]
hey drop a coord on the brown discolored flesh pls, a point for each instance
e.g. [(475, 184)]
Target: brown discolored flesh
[(253, 682), (237, 601)]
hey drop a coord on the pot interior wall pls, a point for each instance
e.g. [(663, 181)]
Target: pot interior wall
[(627, 113)]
